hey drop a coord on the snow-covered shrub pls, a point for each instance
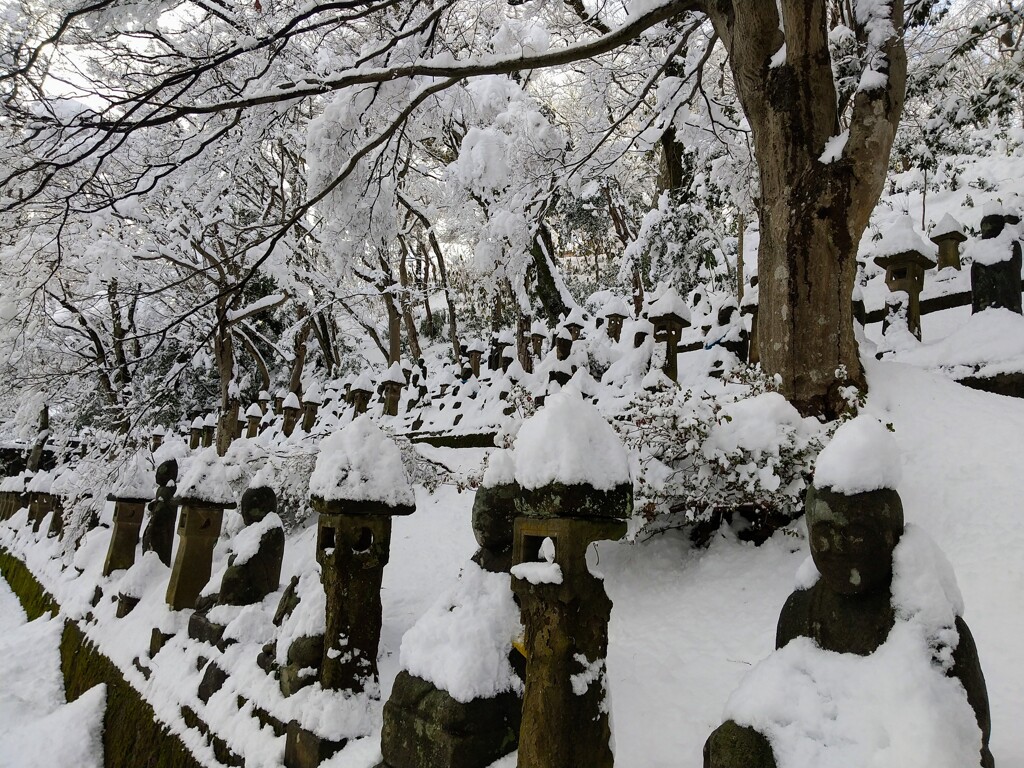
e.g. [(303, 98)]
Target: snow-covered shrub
[(701, 456)]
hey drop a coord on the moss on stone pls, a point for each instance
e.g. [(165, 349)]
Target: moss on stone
[(132, 736)]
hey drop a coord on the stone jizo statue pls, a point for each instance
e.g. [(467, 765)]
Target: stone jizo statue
[(848, 610)]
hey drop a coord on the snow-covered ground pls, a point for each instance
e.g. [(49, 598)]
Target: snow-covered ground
[(37, 728), (686, 624)]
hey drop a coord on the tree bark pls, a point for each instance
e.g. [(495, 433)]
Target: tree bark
[(812, 214)]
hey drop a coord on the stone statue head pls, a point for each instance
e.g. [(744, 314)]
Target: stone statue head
[(853, 537), (167, 472), (257, 503)]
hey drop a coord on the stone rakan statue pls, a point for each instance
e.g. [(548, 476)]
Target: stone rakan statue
[(849, 610)]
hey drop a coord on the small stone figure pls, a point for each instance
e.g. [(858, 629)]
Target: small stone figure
[(158, 535), (849, 609), (249, 581)]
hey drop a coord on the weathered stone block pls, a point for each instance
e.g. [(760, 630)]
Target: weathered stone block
[(425, 727)]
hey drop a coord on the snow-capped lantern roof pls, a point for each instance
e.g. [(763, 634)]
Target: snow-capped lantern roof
[(476, 346), (569, 442), (210, 420), (362, 383), (446, 377), (361, 464), (264, 396), (394, 375), (136, 480), (902, 244), (292, 401), (575, 318), (312, 394), (615, 307), (197, 423), (563, 333), (254, 412), (158, 431), (668, 307), (948, 228), (538, 329), (205, 480), (506, 337)]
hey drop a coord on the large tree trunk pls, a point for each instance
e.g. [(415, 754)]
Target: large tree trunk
[(813, 214)]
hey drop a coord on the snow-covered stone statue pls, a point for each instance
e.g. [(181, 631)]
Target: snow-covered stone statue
[(875, 665), (457, 700), (996, 261), (575, 489), (254, 565), (158, 535)]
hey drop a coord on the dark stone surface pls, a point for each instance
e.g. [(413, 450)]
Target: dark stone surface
[(213, 680), (202, 629), (256, 504), (158, 535), (249, 582), (494, 511), (289, 601), (576, 501), (737, 746), (1007, 384), (997, 285), (304, 749), (157, 640), (424, 727), (125, 605)]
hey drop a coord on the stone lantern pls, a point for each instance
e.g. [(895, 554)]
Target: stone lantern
[(279, 401), (310, 405), (563, 507), (128, 515), (156, 438), (393, 384), (253, 417), (264, 401), (203, 496), (614, 312), (135, 487), (41, 501), (947, 235), (358, 485), (670, 316), (291, 408), (901, 253), (360, 392), (195, 433), (538, 332), (995, 271), (475, 351), (574, 323), (209, 429)]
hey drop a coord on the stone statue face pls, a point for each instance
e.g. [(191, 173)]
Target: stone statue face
[(853, 558), (852, 537)]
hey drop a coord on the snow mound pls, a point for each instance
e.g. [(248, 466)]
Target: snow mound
[(862, 456), (461, 644), (568, 441)]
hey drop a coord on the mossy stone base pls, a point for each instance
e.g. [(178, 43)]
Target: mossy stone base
[(132, 736), (424, 727)]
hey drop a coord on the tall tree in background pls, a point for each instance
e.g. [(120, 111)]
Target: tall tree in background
[(822, 93)]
